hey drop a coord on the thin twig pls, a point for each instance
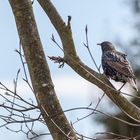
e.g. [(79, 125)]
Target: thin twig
[(97, 111), (112, 134), (88, 48), (134, 96), (79, 119), (23, 65), (15, 90), (22, 61), (53, 39), (67, 135)]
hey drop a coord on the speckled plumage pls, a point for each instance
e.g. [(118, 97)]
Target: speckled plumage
[(116, 66)]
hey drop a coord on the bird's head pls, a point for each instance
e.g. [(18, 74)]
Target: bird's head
[(106, 46)]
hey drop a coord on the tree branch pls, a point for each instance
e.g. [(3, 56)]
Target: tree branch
[(83, 70), (63, 30), (39, 70)]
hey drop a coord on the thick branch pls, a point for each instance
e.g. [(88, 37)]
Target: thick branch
[(75, 63), (39, 71), (62, 29)]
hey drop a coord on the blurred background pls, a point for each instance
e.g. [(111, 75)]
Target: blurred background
[(117, 21)]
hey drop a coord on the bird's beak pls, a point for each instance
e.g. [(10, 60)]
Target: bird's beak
[(99, 44)]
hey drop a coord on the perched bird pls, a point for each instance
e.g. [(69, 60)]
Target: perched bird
[(116, 66)]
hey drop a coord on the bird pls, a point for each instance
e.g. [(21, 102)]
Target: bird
[(116, 66)]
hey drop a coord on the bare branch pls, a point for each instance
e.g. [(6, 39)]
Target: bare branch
[(53, 39), (79, 119), (97, 111), (38, 68), (83, 70), (88, 48)]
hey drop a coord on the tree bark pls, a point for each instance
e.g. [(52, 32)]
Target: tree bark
[(59, 126), (83, 70)]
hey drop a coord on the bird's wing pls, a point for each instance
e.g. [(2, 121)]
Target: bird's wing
[(119, 62)]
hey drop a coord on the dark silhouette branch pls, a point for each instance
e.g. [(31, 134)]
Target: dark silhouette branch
[(88, 48)]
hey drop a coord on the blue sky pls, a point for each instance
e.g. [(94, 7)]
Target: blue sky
[(106, 20)]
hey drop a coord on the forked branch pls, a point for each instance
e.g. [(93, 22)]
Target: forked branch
[(83, 70)]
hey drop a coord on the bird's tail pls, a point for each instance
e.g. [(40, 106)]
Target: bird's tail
[(132, 82)]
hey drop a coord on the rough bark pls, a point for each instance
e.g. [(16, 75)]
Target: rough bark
[(78, 66), (59, 126)]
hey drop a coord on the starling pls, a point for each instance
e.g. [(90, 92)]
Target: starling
[(116, 66)]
